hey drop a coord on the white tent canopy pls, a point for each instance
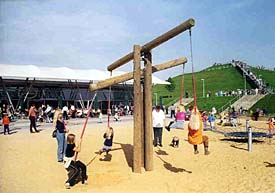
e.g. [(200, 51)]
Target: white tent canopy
[(60, 73)]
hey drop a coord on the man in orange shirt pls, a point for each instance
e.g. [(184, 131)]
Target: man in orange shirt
[(6, 123), (32, 117)]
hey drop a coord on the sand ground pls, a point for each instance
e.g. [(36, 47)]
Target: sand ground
[(29, 163)]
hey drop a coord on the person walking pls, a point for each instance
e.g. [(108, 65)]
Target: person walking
[(32, 117), (158, 117)]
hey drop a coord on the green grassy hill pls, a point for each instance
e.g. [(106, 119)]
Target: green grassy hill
[(222, 77), (267, 102), (266, 75)]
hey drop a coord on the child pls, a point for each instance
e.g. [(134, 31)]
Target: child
[(6, 123), (195, 136), (99, 116), (175, 142), (74, 167), (270, 127), (204, 120), (211, 120), (180, 118), (108, 143), (117, 117)]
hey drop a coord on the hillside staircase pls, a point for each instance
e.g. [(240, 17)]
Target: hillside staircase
[(246, 101), (252, 79)]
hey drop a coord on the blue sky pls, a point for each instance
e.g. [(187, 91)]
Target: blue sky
[(92, 34)]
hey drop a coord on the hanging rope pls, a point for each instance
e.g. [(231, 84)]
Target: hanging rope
[(182, 84), (193, 75), (86, 121), (109, 103)]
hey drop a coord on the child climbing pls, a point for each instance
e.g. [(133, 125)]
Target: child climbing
[(108, 143), (195, 136), (74, 167)]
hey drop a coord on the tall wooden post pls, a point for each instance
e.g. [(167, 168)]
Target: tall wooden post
[(142, 123), (148, 112), (137, 112)]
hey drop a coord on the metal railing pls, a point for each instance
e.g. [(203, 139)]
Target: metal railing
[(228, 104)]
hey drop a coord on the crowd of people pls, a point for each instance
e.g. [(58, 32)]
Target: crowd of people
[(249, 74)]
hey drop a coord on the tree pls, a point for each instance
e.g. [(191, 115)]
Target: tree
[(170, 87)]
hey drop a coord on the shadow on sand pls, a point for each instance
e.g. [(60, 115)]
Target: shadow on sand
[(171, 168), (128, 152), (161, 152), (107, 158), (12, 131), (269, 165)]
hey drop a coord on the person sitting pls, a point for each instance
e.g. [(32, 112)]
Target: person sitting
[(117, 117), (195, 136), (179, 120)]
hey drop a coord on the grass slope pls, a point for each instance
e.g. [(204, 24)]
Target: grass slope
[(206, 104), (267, 102), (266, 75), (216, 78)]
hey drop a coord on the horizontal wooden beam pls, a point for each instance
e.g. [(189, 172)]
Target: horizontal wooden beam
[(130, 75), (154, 43)]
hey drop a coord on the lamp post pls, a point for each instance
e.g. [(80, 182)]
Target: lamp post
[(203, 95), (156, 94)]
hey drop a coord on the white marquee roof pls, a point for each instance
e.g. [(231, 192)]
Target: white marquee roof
[(60, 73)]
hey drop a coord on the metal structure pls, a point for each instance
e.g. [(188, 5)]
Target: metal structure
[(19, 93)]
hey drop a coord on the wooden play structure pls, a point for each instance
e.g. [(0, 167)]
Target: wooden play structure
[(143, 139)]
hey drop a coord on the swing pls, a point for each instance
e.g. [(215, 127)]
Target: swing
[(195, 136), (86, 121), (180, 116)]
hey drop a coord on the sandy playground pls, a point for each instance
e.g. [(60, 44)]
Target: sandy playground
[(29, 163)]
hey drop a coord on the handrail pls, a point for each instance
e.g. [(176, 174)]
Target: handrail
[(228, 104)]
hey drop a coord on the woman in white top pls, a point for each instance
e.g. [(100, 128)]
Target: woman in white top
[(158, 117)]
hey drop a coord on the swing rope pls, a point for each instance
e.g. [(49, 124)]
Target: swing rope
[(193, 75), (109, 103), (86, 121), (182, 84)]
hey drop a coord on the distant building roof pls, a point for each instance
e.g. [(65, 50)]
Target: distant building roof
[(60, 73)]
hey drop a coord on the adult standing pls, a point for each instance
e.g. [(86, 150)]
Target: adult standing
[(60, 137), (55, 115), (158, 117), (65, 110), (32, 117)]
